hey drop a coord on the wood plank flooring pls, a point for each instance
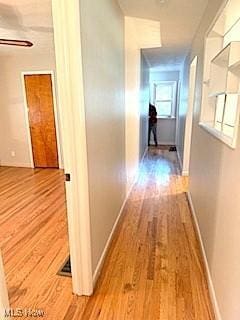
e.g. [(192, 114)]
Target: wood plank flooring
[(33, 237), (154, 268)]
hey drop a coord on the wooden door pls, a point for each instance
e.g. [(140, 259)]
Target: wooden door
[(39, 96)]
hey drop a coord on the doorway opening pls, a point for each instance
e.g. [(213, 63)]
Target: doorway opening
[(39, 213), (33, 214), (164, 96)]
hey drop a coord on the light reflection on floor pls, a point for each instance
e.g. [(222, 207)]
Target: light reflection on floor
[(161, 169)]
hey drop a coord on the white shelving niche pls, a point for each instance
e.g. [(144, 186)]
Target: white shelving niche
[(225, 70), (221, 84)]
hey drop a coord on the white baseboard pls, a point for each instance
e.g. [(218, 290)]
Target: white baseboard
[(144, 154), (22, 165), (164, 143), (209, 277), (179, 159), (16, 164), (103, 256), (185, 173), (138, 171), (141, 161)]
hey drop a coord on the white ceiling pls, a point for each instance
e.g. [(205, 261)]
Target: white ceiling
[(179, 21), (147, 33), (26, 20), (32, 20)]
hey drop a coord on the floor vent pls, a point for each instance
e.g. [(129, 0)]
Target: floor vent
[(66, 269)]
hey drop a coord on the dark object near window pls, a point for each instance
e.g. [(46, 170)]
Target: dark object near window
[(172, 149)]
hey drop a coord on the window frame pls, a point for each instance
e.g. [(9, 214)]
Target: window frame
[(173, 100)]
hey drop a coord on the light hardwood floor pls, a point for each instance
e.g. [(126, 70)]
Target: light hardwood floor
[(33, 238), (154, 268)]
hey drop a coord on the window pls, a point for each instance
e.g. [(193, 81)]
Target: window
[(165, 98)]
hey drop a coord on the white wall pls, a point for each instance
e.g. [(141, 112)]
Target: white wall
[(102, 27), (166, 132), (166, 128), (214, 187), (13, 124), (132, 100), (144, 106)]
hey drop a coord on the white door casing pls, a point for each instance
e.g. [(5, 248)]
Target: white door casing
[(70, 92), (189, 117)]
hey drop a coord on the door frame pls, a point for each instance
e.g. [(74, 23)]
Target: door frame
[(70, 94), (56, 114), (189, 116), (178, 96)]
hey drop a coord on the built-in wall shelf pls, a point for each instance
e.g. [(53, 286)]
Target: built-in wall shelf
[(220, 111), (225, 70), (235, 68), (234, 54), (222, 58)]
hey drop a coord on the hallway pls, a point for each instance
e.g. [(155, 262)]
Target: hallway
[(154, 269)]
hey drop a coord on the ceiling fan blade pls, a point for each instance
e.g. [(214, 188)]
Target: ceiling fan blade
[(19, 43)]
